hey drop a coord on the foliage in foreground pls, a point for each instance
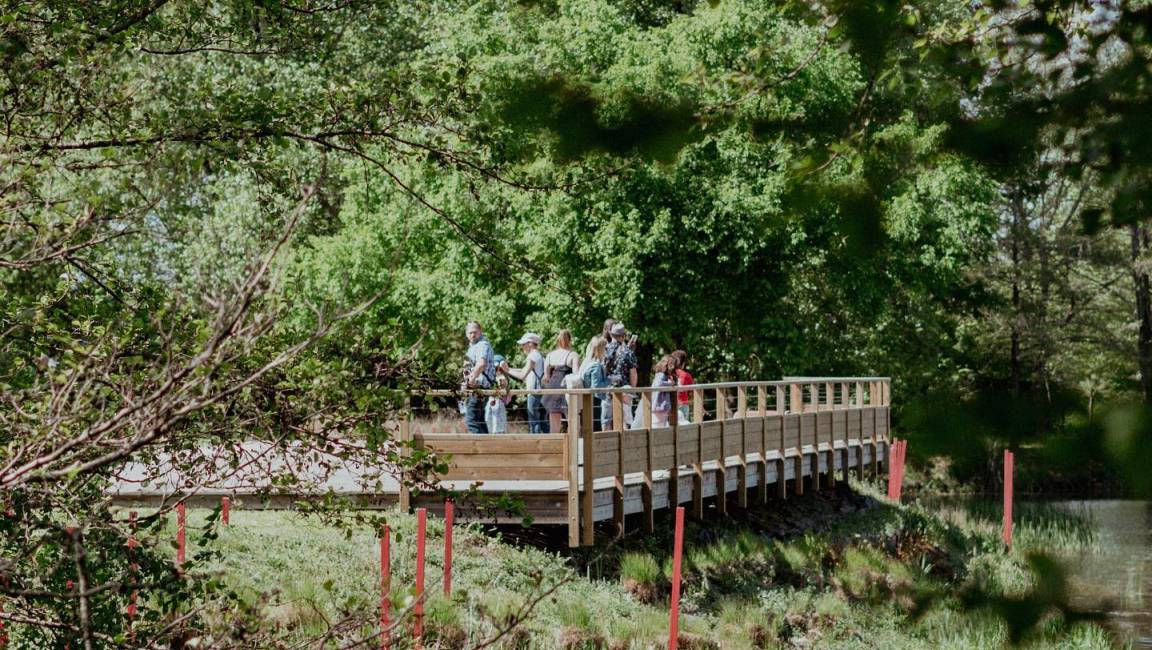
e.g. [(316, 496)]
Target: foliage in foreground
[(877, 577)]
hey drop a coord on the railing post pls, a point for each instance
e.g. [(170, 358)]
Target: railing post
[(722, 468), (618, 478), (846, 457), (742, 468), (674, 471), (698, 466), (871, 413), (646, 423), (814, 461), (762, 413), (796, 404), (405, 451), (781, 482), (572, 453), (589, 494)]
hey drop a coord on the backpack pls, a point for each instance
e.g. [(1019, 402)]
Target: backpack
[(586, 376), (610, 361)]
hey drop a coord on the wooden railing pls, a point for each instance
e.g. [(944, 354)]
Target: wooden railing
[(733, 426)]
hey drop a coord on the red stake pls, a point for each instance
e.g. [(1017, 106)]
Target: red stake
[(225, 506), (674, 608), (449, 515), (385, 589), (901, 456), (180, 537), (892, 447), (418, 609), (132, 568), (1009, 469), (903, 467)]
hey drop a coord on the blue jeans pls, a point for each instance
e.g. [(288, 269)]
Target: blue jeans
[(606, 414), (537, 416), (474, 415)]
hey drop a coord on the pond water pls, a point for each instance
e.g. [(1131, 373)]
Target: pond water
[(1118, 578)]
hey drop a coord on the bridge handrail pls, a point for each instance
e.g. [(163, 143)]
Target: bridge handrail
[(443, 392)]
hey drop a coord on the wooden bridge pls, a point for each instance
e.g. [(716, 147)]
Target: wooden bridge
[(747, 439)]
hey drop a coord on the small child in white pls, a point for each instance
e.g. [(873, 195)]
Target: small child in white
[(495, 413)]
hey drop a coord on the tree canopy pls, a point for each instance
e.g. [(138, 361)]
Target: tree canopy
[(237, 221)]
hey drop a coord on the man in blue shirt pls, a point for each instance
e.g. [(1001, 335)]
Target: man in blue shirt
[(480, 372)]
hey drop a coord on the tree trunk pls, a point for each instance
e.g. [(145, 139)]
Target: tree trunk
[(1139, 239)]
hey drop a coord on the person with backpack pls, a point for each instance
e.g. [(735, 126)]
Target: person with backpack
[(620, 362), (479, 372), (594, 375), (559, 363), (532, 374)]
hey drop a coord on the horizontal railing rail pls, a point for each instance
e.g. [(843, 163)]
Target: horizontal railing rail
[(447, 392)]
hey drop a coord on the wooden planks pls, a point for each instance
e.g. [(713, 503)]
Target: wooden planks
[(454, 443), (689, 444), (791, 425), (606, 453), (524, 457)]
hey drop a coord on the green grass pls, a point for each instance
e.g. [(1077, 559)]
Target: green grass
[(854, 583)]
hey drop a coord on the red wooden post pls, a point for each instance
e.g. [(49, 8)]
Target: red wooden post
[(418, 609), (901, 456), (132, 568), (1009, 469), (385, 588), (903, 467), (674, 608), (68, 584), (449, 516), (180, 537), (892, 447), (225, 506)]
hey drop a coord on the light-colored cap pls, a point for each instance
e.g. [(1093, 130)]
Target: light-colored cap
[(618, 330), (530, 337)]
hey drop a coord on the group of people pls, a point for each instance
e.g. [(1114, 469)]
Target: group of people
[(609, 361)]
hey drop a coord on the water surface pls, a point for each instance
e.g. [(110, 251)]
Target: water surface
[(1117, 578)]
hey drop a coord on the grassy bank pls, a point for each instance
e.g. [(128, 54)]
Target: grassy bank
[(869, 575)]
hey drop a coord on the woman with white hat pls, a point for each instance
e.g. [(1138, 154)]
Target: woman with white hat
[(532, 374)]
